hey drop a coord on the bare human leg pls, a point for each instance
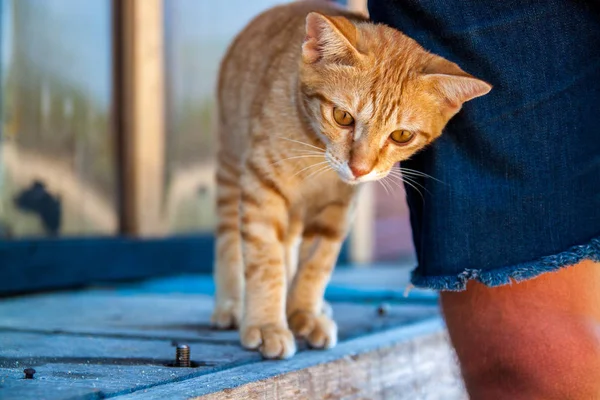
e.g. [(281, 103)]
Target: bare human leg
[(538, 339)]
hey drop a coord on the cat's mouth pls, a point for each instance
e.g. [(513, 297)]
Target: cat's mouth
[(347, 176), (353, 181)]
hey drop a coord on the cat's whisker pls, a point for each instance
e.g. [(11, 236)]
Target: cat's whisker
[(415, 185), (310, 166), (380, 181), (308, 150), (413, 172), (404, 173), (314, 174), (295, 157), (394, 173), (397, 174), (383, 184), (322, 171), (391, 182), (397, 177), (299, 142), (302, 151), (410, 173)]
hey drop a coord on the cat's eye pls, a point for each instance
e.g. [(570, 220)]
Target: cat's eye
[(401, 137), (342, 117)]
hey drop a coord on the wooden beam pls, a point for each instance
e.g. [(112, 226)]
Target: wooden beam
[(139, 77), (402, 371), (77, 262), (408, 362), (362, 233)]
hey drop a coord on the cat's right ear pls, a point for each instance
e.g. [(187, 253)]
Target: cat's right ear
[(330, 39), (452, 85)]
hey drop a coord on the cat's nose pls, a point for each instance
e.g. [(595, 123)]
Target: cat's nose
[(359, 170)]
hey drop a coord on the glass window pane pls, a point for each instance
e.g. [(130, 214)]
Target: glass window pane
[(197, 35), (57, 159)]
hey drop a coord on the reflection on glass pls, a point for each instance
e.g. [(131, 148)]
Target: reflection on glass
[(197, 35), (57, 157)]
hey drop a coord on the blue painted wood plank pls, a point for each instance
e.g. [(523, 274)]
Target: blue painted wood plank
[(376, 289), (30, 265), (423, 341), (18, 389), (120, 342), (113, 314), (45, 264), (95, 367), (116, 337), (70, 367), (167, 316)]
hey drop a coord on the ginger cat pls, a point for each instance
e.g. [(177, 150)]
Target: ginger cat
[(313, 101)]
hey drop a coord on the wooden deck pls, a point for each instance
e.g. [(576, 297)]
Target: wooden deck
[(117, 342)]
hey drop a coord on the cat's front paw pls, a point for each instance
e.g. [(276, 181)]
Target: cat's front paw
[(319, 330), (326, 309), (227, 315), (273, 341)]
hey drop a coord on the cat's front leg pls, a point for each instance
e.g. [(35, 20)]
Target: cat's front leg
[(229, 269), (263, 226), (305, 305)]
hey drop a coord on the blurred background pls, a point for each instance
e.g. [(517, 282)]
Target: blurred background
[(107, 111)]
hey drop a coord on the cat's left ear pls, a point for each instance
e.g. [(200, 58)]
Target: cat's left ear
[(330, 39), (452, 85)]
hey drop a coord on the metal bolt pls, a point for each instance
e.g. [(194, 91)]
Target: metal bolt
[(182, 356), (29, 373), (383, 309)]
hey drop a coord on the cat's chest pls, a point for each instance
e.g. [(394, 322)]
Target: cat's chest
[(318, 195)]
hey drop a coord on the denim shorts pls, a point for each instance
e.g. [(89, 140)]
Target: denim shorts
[(517, 172)]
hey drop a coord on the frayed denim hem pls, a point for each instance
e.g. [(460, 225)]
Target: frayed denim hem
[(505, 275)]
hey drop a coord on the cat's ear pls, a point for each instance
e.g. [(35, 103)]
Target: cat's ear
[(453, 85), (331, 39)]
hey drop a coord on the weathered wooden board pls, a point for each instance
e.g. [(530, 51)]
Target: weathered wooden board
[(382, 282), (39, 390), (111, 341), (166, 316), (413, 362), (70, 366), (74, 262), (78, 261)]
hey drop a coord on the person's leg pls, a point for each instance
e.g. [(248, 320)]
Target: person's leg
[(515, 196), (538, 339)]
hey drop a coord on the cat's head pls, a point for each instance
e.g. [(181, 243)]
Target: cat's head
[(375, 96)]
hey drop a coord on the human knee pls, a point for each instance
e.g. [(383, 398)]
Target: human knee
[(510, 347)]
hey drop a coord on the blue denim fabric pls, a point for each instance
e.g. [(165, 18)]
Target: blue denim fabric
[(520, 166)]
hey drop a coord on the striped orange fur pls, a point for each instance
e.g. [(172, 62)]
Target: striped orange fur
[(308, 98)]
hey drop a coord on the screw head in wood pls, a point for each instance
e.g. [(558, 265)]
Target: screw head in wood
[(383, 309), (182, 356), (29, 372)]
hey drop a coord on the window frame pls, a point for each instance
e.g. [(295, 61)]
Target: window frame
[(141, 249)]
